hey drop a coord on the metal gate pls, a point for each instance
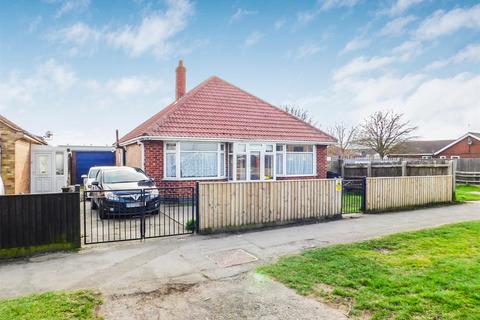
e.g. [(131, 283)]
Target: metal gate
[(122, 215), (353, 195)]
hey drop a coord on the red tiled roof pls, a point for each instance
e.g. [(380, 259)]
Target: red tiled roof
[(218, 109)]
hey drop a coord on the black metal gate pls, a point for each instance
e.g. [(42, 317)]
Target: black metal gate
[(122, 215), (353, 195)]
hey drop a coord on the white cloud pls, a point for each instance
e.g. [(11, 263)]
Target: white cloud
[(443, 23), (307, 50), (155, 32), (34, 24), (397, 26), (331, 4), (361, 65), (240, 14), (134, 85), (400, 6), (253, 38), (69, 6), (469, 54), (448, 103), (79, 34), (306, 17), (408, 50), (49, 76), (279, 23), (356, 44)]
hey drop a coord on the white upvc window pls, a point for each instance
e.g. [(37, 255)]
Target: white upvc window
[(194, 160), (295, 160), (426, 157), (454, 157), (443, 157)]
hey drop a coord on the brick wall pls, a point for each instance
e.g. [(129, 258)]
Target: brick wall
[(463, 149), (154, 165), (7, 142)]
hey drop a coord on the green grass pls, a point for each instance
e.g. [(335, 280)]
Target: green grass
[(466, 192), (351, 203), (52, 305), (429, 274)]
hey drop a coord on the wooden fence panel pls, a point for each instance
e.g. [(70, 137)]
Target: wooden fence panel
[(40, 220), (229, 205), (387, 193)]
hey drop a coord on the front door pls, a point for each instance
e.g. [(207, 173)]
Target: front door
[(252, 162), (48, 170)]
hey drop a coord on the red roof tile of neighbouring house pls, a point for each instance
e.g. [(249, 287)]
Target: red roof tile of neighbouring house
[(218, 109)]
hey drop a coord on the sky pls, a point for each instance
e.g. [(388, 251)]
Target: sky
[(83, 68)]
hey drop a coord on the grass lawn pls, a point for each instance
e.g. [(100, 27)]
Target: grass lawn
[(429, 274), (466, 192), (52, 305)]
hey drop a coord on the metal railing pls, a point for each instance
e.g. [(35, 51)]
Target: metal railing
[(122, 215)]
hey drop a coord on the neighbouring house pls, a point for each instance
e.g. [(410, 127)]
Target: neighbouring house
[(15, 152), (219, 132), (467, 146)]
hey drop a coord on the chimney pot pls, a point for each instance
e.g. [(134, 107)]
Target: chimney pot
[(181, 81)]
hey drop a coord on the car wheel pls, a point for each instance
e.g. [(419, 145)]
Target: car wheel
[(93, 205)]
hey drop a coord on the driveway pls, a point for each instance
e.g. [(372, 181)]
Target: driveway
[(196, 269)]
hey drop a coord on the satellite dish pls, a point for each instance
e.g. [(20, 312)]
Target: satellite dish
[(48, 135)]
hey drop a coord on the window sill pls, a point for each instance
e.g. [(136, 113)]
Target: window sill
[(193, 179)]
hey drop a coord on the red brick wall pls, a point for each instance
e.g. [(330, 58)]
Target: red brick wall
[(154, 165), (463, 149)]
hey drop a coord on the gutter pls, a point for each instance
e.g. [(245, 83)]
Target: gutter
[(169, 138)]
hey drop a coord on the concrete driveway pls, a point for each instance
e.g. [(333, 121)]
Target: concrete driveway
[(135, 268)]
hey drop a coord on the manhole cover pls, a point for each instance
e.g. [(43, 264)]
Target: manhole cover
[(232, 258)]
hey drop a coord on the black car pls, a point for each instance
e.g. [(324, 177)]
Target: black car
[(124, 191)]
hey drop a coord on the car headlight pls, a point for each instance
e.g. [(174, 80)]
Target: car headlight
[(111, 196), (152, 194)]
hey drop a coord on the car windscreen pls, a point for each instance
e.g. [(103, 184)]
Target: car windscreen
[(93, 173), (123, 176)]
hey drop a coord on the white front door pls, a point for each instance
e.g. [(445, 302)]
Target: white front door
[(49, 169)]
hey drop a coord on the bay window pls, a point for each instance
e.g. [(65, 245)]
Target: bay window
[(185, 160)]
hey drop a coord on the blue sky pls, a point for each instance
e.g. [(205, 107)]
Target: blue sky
[(83, 68)]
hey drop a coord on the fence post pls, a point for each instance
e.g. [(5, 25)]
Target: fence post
[(197, 206), (142, 215), (369, 169), (404, 168), (453, 172), (363, 208)]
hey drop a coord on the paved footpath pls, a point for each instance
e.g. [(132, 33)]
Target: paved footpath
[(145, 266)]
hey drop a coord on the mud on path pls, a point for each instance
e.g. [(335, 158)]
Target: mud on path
[(248, 296)]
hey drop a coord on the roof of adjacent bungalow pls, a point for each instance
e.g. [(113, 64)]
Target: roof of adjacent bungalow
[(26, 134), (218, 110), (428, 147)]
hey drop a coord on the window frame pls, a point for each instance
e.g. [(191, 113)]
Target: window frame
[(177, 152), (284, 153)]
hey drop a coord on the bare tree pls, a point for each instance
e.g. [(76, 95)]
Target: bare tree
[(300, 113), (383, 130), (345, 136)]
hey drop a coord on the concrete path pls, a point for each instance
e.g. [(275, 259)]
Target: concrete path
[(133, 267)]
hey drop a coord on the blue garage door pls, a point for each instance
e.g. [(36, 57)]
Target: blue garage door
[(87, 159)]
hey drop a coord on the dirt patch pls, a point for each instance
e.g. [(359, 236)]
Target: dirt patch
[(383, 250), (250, 296)]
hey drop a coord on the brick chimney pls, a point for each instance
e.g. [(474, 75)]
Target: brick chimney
[(181, 80)]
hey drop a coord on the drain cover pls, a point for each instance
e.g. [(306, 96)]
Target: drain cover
[(231, 258)]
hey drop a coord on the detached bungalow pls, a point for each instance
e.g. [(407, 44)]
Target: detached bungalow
[(219, 132), (15, 152), (467, 146)]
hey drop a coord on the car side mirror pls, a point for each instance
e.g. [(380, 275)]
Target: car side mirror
[(84, 176), (95, 183)]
